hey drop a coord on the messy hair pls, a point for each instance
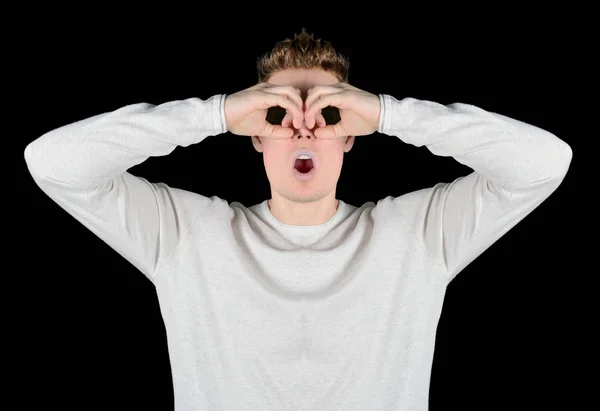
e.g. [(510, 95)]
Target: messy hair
[(303, 51)]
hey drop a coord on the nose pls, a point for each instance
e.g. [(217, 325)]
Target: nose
[(304, 131)]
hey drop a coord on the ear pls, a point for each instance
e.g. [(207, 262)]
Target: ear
[(257, 143), (348, 144)]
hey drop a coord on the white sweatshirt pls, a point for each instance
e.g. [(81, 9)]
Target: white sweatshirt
[(264, 316)]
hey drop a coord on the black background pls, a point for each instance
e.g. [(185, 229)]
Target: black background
[(98, 339)]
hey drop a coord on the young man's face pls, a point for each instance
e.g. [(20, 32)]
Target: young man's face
[(279, 155)]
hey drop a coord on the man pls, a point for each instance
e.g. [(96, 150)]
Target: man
[(301, 302)]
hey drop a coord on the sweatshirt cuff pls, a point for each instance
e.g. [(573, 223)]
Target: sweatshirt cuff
[(217, 105), (394, 116), (214, 114), (382, 111)]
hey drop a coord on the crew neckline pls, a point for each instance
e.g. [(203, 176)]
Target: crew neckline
[(340, 211)]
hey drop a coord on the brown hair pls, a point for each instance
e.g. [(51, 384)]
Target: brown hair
[(303, 51)]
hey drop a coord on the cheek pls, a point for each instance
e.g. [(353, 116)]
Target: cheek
[(335, 162), (330, 165), (274, 162), (276, 155)]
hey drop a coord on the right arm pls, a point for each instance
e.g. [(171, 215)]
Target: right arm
[(83, 168)]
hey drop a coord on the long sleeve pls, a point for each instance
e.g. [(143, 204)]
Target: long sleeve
[(83, 168), (516, 166)]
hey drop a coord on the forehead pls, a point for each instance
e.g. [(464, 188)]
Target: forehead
[(303, 79)]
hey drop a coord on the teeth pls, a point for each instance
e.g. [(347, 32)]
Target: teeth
[(303, 157)]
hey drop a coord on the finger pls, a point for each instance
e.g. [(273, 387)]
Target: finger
[(272, 99), (327, 132), (315, 94), (319, 91), (282, 132), (320, 120), (335, 100), (287, 120), (291, 92), (294, 95), (331, 131)]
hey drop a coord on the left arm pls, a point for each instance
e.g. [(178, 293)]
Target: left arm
[(516, 167)]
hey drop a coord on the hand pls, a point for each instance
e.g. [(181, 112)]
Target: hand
[(359, 110), (245, 111)]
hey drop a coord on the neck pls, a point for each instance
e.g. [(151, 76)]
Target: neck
[(303, 214)]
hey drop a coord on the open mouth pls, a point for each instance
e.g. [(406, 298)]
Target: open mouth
[(304, 166)]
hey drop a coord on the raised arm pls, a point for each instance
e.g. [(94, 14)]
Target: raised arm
[(516, 166), (83, 168)]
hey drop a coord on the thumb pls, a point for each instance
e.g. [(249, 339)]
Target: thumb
[(325, 132), (281, 132)]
